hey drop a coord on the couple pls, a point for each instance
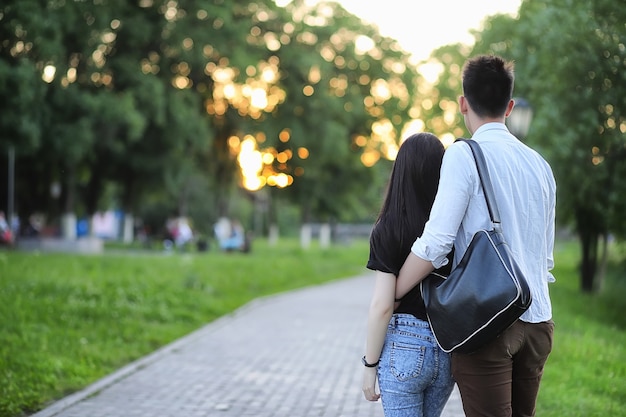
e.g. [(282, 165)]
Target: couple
[(410, 241)]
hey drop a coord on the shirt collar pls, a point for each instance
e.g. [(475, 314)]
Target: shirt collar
[(492, 126)]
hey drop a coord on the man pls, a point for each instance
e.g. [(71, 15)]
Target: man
[(503, 377)]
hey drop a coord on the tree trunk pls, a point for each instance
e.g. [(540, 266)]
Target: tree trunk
[(599, 281), (589, 263)]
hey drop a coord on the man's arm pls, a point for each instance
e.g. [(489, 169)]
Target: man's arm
[(412, 272), (448, 210)]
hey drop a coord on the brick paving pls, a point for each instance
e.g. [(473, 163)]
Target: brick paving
[(295, 354)]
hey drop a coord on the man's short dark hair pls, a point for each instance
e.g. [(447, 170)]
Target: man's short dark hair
[(488, 84)]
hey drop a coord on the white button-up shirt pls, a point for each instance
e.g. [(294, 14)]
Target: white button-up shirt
[(525, 192)]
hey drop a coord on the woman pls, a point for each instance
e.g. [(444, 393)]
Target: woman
[(413, 373)]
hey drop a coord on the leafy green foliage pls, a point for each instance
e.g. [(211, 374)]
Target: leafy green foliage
[(136, 103), (570, 63)]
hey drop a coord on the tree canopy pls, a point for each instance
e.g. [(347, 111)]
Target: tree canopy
[(153, 103), (177, 107), (570, 63)]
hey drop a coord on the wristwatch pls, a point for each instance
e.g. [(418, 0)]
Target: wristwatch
[(369, 365)]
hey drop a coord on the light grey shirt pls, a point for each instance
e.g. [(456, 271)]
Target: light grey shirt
[(525, 191)]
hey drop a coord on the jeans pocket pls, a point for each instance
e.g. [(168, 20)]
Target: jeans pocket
[(406, 360)]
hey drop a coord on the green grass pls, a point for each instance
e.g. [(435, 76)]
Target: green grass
[(69, 320), (586, 373)]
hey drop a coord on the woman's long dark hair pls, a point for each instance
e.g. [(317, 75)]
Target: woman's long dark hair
[(411, 189)]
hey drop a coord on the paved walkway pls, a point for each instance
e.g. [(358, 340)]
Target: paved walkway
[(295, 354)]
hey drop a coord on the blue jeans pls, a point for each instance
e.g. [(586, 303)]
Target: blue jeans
[(414, 374)]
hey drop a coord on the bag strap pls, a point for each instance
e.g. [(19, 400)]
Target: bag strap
[(485, 181)]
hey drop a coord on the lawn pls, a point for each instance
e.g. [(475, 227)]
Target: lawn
[(586, 373), (69, 320)]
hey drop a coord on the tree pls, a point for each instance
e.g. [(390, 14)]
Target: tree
[(438, 99), (574, 74), (348, 94), (131, 102)]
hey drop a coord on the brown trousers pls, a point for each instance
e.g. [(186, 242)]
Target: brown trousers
[(502, 378)]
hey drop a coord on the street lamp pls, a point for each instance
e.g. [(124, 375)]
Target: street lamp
[(518, 121)]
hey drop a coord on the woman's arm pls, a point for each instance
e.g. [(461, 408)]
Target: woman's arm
[(381, 309)]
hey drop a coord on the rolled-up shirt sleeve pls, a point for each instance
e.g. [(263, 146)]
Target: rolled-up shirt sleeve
[(456, 188)]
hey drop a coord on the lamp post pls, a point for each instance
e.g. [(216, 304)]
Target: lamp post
[(518, 121)]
